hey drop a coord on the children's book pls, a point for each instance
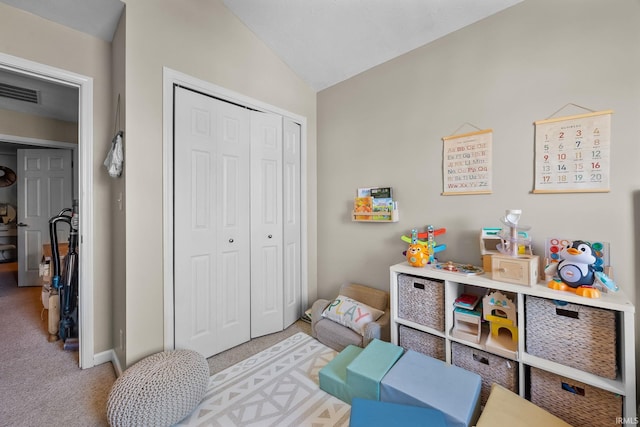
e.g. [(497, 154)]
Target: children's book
[(307, 315), (384, 204), (382, 193), (363, 204), (466, 301)]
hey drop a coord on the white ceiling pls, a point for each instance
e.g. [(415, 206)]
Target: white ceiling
[(328, 41), (322, 41)]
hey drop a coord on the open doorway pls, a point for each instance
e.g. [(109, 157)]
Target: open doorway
[(82, 86)]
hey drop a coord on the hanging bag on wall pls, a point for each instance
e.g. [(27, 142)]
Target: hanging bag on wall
[(115, 157)]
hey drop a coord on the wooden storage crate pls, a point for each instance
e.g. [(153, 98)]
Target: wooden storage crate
[(421, 300), (574, 335), (577, 403), (422, 342), (492, 368)]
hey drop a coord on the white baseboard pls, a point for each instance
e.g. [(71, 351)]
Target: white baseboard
[(108, 356)]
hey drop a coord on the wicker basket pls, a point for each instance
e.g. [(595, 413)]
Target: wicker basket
[(422, 342), (576, 403), (492, 368), (421, 300), (571, 334)]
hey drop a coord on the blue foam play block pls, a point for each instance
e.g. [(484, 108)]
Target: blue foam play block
[(372, 413), (420, 380), (333, 376), (366, 371)]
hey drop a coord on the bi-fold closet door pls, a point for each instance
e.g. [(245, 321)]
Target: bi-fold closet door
[(236, 223)]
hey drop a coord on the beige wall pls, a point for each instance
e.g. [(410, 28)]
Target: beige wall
[(384, 127), (202, 39), (117, 216), (30, 37), (30, 126)]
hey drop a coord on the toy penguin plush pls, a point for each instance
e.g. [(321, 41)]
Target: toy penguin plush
[(575, 270)]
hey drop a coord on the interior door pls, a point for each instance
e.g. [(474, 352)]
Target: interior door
[(45, 187), (291, 221), (211, 229), (266, 225)]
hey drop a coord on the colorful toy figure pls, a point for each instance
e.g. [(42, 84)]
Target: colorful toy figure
[(575, 272), (418, 255), (427, 247)]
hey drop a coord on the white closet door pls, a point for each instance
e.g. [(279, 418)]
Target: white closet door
[(291, 221), (266, 224), (44, 189), (211, 212)]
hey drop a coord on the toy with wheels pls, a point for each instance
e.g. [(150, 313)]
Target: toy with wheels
[(576, 271)]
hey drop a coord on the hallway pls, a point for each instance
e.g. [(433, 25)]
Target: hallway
[(41, 383)]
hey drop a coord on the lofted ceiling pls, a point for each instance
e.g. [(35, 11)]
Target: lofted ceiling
[(322, 41), (328, 41)]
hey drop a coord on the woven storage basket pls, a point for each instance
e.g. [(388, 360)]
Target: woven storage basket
[(576, 403), (571, 334), (421, 300), (422, 342), (492, 368)]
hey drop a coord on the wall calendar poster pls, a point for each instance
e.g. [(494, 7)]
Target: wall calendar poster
[(572, 153), (467, 163)]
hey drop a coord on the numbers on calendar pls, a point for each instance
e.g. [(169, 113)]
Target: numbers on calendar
[(572, 153)]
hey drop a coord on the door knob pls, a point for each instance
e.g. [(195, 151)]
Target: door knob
[(230, 240), (270, 236), (22, 224)]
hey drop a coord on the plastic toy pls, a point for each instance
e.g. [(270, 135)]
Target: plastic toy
[(578, 271), (514, 240), (430, 247), (417, 255)]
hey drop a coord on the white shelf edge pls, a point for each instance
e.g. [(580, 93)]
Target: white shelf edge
[(419, 327), (614, 386), (482, 345), (612, 301)]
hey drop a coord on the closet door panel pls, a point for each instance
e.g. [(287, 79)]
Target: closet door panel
[(266, 225), (233, 279), (211, 237), (291, 221), (194, 260)]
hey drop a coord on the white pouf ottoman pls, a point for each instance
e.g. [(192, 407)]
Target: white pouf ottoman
[(159, 390)]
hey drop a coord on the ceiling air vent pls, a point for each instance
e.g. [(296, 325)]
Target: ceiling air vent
[(19, 93)]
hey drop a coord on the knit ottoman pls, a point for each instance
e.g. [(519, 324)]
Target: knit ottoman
[(159, 390)]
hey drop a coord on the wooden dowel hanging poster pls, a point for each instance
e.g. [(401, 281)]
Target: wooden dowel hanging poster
[(467, 163), (572, 153)]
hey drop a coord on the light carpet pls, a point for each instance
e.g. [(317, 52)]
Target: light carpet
[(276, 387)]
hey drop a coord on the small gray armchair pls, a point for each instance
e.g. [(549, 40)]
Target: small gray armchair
[(337, 336)]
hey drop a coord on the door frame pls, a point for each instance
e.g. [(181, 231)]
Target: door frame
[(84, 84), (170, 78)]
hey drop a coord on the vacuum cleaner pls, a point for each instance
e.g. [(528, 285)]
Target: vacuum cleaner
[(65, 282)]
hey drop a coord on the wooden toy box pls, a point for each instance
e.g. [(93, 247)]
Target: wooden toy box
[(521, 270)]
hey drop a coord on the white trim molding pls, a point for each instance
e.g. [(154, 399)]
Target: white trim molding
[(85, 181)]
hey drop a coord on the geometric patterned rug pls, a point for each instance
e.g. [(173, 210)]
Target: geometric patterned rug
[(276, 387)]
